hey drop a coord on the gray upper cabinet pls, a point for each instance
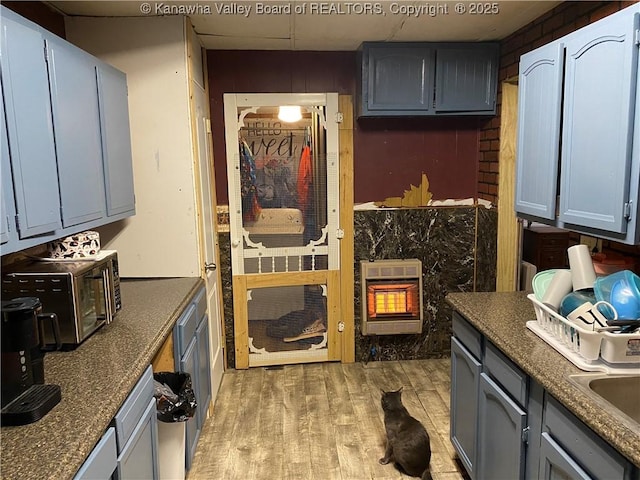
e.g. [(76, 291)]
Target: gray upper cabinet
[(539, 110), (399, 79), (466, 78), (578, 165), (74, 98), (599, 99), (66, 149), (7, 205), (116, 140), (418, 79), (31, 144)]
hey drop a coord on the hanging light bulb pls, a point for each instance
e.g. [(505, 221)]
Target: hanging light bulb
[(290, 114)]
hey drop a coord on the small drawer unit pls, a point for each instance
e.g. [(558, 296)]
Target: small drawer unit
[(545, 247)]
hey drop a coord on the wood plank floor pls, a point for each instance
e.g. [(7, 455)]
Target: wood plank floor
[(321, 421)]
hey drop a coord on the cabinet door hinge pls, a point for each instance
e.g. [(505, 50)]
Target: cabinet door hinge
[(637, 37), (339, 117), (17, 218), (627, 210), (339, 234), (525, 435)]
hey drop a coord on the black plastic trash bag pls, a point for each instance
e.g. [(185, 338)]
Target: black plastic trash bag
[(175, 398)]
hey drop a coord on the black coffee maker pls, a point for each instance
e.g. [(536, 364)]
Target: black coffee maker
[(25, 398)]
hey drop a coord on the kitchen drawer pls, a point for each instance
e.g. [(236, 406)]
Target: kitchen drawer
[(102, 461), (133, 408), (201, 304), (467, 334), (592, 453), (506, 373), (185, 328)]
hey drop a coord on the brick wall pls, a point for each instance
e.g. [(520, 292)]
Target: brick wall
[(563, 19)]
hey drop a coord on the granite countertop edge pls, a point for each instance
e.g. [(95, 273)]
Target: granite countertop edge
[(109, 363), (501, 318)]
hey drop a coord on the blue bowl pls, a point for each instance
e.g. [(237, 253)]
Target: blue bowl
[(622, 290)]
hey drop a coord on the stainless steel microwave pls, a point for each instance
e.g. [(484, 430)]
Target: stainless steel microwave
[(84, 294)]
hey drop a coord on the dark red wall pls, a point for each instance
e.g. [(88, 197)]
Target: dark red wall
[(389, 154)]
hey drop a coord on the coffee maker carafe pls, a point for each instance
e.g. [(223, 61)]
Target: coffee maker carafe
[(25, 397)]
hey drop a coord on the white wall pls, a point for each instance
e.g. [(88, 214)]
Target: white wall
[(161, 239)]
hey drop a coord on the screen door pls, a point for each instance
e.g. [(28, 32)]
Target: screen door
[(283, 209)]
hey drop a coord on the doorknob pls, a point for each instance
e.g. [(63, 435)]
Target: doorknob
[(210, 267)]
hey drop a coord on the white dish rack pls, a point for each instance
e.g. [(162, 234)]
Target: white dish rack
[(588, 350)]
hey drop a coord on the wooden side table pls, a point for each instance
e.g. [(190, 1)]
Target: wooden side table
[(545, 247)]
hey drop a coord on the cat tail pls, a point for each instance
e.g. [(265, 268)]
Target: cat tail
[(427, 475)]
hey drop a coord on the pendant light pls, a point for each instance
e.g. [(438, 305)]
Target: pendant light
[(290, 114)]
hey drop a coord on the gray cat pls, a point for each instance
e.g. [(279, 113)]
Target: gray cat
[(408, 443)]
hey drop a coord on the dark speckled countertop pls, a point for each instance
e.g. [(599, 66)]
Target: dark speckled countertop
[(95, 379), (501, 317)]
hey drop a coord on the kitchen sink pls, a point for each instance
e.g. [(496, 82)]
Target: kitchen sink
[(620, 391)]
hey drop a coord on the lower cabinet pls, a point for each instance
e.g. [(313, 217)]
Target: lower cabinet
[(465, 380), (129, 448), (488, 401), (102, 461), (504, 425), (191, 353), (569, 449), (137, 432)]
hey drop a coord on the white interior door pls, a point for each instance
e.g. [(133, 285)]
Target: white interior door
[(207, 217)]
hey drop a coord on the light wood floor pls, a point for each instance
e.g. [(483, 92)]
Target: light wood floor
[(321, 421)]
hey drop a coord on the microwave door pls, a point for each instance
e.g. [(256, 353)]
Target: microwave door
[(91, 304)]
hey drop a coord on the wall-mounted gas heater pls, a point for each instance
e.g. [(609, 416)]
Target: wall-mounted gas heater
[(391, 296)]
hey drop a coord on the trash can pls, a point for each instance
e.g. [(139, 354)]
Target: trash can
[(175, 404)]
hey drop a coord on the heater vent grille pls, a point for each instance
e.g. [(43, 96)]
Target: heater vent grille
[(391, 297)]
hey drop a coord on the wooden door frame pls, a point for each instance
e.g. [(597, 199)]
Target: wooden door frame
[(341, 282), (509, 228), (347, 274)]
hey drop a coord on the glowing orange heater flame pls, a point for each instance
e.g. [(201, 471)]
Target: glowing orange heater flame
[(392, 299)]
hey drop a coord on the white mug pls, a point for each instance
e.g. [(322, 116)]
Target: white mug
[(588, 317)]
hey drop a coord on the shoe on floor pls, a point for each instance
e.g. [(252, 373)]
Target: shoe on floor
[(316, 329)]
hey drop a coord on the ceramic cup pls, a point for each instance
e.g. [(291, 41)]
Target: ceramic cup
[(560, 284), (588, 317), (583, 274)]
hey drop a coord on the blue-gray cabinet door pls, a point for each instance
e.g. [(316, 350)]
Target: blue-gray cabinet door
[(29, 126), (7, 208), (465, 378), (599, 99), (116, 140), (466, 78), (556, 464), (400, 78), (188, 364), (139, 457), (539, 111), (74, 98), (203, 391), (501, 427), (102, 461)]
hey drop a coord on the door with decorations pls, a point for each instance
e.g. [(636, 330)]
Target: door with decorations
[(284, 223)]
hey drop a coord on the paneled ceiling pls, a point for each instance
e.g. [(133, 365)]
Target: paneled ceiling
[(328, 26)]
